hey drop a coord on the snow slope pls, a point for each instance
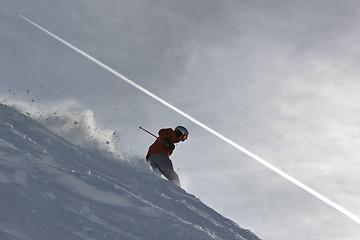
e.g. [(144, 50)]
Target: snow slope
[(53, 189)]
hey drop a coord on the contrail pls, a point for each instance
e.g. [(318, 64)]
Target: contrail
[(222, 137)]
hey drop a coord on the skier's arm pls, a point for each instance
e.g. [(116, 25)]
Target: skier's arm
[(168, 136), (169, 143)]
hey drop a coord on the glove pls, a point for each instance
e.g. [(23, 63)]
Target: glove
[(170, 144)]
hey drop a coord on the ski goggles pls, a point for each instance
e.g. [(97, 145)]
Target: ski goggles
[(184, 137)]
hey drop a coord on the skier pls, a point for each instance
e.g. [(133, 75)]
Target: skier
[(160, 151)]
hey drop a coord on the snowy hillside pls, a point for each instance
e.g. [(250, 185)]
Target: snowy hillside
[(52, 189)]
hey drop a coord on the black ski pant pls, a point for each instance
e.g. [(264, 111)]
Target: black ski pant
[(164, 165)]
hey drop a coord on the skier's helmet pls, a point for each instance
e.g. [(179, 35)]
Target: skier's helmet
[(183, 132)]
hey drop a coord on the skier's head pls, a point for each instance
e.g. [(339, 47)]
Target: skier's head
[(182, 132)]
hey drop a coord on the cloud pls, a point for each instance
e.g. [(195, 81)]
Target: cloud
[(321, 133)]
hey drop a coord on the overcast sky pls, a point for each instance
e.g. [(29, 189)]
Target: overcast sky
[(280, 78)]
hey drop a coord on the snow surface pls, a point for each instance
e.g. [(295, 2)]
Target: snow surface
[(53, 189)]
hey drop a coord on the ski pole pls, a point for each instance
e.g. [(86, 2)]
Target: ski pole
[(154, 136)]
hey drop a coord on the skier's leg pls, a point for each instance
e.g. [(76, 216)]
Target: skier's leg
[(164, 164), (153, 164), (171, 175)]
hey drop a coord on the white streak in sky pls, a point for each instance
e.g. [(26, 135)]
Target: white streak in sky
[(237, 146)]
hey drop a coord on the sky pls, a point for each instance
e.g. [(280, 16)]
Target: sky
[(280, 78)]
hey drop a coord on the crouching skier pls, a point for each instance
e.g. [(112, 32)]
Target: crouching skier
[(160, 151)]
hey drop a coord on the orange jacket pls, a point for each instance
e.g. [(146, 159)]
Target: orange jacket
[(160, 147)]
